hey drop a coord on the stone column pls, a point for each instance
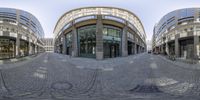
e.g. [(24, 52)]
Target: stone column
[(196, 46), (64, 44), (99, 38), (29, 46), (36, 47), (177, 46), (162, 48), (18, 45), (167, 48), (74, 41), (135, 46), (124, 41)]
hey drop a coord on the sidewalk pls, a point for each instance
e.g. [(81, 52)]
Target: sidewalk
[(182, 64), (14, 60), (106, 64)]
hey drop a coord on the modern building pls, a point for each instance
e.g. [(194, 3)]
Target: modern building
[(149, 44), (178, 33), (20, 34), (48, 44), (99, 32)]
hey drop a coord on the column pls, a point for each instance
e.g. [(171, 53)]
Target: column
[(196, 47), (167, 48), (64, 44), (124, 41), (99, 38), (18, 45), (177, 46), (136, 49), (135, 46), (30, 46), (36, 47), (162, 48), (74, 41)]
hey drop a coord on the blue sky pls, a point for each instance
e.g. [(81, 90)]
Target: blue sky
[(49, 11)]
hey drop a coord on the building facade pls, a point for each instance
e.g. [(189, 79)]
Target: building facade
[(48, 44), (99, 32), (20, 34), (178, 33)]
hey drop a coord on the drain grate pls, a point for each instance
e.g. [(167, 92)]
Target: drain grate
[(146, 89)]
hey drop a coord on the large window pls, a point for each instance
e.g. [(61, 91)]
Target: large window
[(7, 48), (111, 41), (69, 43), (87, 41), (23, 48)]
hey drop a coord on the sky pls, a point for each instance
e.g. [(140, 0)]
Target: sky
[(49, 11)]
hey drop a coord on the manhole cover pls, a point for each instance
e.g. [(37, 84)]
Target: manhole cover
[(145, 89), (62, 85)]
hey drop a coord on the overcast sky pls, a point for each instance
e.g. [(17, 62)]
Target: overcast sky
[(49, 11)]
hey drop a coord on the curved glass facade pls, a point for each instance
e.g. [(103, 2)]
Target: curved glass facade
[(99, 34), (177, 33), (109, 12), (20, 34)]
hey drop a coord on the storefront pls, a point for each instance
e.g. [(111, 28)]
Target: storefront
[(111, 41), (187, 48), (69, 43), (87, 41), (7, 48)]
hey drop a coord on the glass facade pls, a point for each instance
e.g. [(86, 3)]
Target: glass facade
[(7, 48), (18, 24), (23, 48), (87, 41), (187, 48), (69, 43), (107, 11), (97, 32), (111, 41)]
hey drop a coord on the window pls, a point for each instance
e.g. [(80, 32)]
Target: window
[(105, 31)]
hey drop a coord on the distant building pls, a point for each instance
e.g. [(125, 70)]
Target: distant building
[(99, 32), (48, 44), (149, 45), (178, 33)]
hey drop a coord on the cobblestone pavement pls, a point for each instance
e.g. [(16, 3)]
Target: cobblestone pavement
[(51, 76)]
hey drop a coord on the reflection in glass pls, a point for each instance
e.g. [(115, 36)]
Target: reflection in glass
[(112, 41), (87, 41), (7, 48)]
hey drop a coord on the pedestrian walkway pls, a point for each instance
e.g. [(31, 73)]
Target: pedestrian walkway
[(107, 64), (17, 62), (182, 64), (13, 60)]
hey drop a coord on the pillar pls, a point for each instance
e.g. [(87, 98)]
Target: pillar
[(99, 38), (133, 48), (177, 46), (124, 41), (196, 47), (162, 48), (64, 44), (30, 46), (18, 45), (167, 48), (74, 41), (36, 46)]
